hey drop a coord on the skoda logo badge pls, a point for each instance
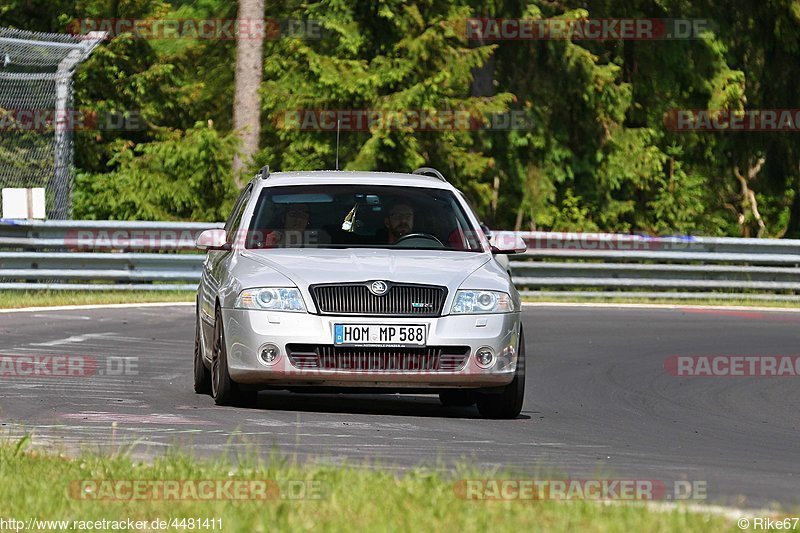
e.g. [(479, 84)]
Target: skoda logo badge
[(378, 288)]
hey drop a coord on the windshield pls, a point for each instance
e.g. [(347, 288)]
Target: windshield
[(360, 216)]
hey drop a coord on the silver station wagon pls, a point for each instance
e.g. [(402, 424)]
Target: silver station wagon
[(359, 282)]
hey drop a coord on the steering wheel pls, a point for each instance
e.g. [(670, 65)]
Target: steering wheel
[(419, 236)]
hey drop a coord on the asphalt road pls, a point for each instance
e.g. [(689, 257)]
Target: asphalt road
[(599, 402)]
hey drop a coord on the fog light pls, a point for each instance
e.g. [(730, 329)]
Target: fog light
[(484, 357), (268, 354)]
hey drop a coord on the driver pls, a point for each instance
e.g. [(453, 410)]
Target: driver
[(399, 222)]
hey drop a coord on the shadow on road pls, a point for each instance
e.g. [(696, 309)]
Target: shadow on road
[(427, 406)]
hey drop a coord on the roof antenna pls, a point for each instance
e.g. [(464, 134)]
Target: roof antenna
[(338, 125)]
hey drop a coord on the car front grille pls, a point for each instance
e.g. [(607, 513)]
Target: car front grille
[(367, 359), (403, 300)]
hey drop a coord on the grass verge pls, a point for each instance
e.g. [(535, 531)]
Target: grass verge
[(42, 486), (17, 299)]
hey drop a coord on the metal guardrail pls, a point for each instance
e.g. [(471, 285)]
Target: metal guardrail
[(94, 235), (100, 255), (657, 267), (92, 255)]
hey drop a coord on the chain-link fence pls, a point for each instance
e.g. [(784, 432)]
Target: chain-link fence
[(35, 112)]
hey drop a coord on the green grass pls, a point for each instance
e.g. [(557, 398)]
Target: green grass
[(36, 484), (16, 299)]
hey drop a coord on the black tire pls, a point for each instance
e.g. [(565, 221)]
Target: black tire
[(507, 404), (202, 375), (458, 398), (223, 389)]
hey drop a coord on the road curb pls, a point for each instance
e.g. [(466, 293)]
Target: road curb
[(664, 306), (97, 306)]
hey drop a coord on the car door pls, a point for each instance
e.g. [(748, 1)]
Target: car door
[(216, 263)]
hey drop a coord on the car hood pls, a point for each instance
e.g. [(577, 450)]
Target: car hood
[(313, 266)]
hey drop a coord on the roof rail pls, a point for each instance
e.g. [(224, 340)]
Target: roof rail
[(430, 171), (264, 172)]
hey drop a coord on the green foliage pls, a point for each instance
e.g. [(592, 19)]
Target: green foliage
[(391, 58), (595, 153), (185, 176)]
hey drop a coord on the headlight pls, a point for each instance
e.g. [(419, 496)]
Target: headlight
[(271, 300), (480, 302)]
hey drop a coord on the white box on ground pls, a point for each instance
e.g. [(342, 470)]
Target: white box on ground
[(23, 203)]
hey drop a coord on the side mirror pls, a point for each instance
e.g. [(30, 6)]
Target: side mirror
[(486, 231), (213, 239), (507, 242)]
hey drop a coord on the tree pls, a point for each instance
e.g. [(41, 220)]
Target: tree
[(183, 176), (249, 69), (594, 153), (392, 57)]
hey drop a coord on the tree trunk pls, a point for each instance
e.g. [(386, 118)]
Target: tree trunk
[(249, 69), (748, 199)]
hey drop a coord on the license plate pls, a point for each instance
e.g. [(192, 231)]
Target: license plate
[(379, 335)]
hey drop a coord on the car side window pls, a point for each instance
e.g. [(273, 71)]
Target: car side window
[(235, 220)]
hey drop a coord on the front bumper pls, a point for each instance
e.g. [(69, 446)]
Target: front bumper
[(246, 331)]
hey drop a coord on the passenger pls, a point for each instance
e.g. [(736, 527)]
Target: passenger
[(295, 223)]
